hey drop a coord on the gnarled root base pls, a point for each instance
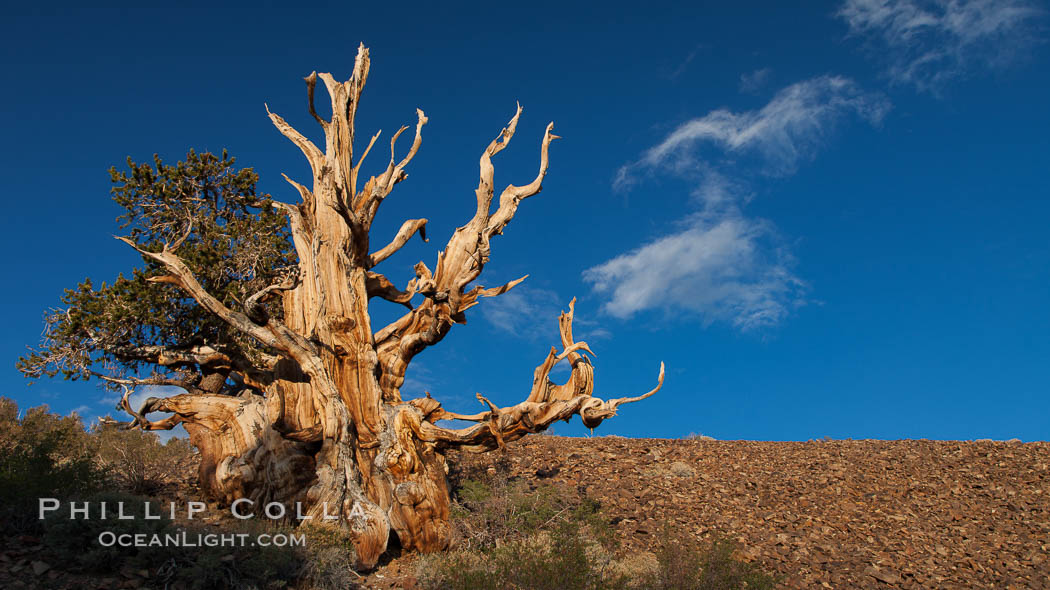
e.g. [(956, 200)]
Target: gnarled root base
[(321, 420), (244, 458), (398, 483)]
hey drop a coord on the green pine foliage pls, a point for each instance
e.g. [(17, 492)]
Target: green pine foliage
[(227, 233)]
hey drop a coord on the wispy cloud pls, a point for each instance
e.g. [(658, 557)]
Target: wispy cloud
[(524, 311), (81, 411), (684, 65), (532, 313), (419, 380), (717, 268), (927, 42), (786, 131), (752, 82), (721, 264)]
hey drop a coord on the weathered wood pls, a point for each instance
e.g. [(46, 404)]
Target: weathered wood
[(326, 424)]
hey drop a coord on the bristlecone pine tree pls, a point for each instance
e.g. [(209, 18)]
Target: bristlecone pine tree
[(259, 310)]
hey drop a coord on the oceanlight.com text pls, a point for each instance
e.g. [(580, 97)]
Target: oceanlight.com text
[(186, 539)]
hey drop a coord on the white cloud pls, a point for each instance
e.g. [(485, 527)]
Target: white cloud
[(81, 411), (788, 130), (674, 74), (721, 264), (524, 311), (722, 267), (419, 380), (532, 313), (753, 82), (928, 42), (110, 400)]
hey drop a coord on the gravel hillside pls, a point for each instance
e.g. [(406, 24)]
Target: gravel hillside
[(825, 514), (833, 514)]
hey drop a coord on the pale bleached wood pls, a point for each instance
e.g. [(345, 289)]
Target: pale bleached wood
[(408, 229), (323, 422)]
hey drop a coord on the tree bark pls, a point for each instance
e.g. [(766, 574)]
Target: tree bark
[(325, 425)]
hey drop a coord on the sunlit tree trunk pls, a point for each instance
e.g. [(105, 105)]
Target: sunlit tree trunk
[(323, 422)]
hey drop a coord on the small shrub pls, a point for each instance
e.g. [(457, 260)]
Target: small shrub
[(687, 565), (137, 461), (510, 534), (679, 469), (514, 536), (41, 455), (327, 557), (489, 514), (563, 558)]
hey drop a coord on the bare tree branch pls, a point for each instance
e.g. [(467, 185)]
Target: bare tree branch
[(139, 420), (380, 286), (312, 153), (254, 304), (546, 403), (357, 167), (273, 334), (470, 298), (512, 195), (377, 188), (485, 189), (503, 425), (170, 356), (408, 228), (311, 82), (183, 278), (460, 263)]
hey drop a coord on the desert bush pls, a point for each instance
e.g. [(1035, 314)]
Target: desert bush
[(508, 533), (491, 507), (326, 559), (64, 435), (565, 560), (41, 455), (686, 564), (557, 559), (513, 535), (487, 515), (136, 460), (679, 469)]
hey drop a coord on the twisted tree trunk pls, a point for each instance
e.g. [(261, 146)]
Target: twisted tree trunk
[(322, 422)]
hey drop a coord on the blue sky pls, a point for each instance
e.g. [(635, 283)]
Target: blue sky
[(827, 220)]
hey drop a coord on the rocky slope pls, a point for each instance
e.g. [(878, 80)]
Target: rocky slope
[(824, 514), (832, 514)]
